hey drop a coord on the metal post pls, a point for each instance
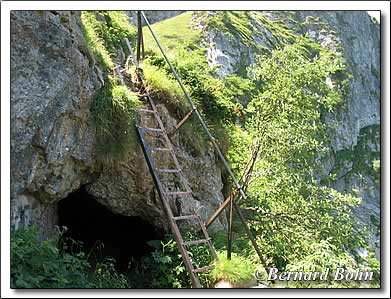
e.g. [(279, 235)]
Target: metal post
[(221, 208), (139, 35), (229, 237), (250, 234)]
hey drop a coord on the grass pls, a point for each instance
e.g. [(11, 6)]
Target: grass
[(236, 271), (105, 32), (161, 86), (114, 117), (114, 107), (174, 34), (94, 41)]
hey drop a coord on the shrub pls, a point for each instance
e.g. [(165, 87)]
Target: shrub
[(162, 268), (40, 264)]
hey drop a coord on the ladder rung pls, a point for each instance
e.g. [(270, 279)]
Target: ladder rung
[(196, 242), (177, 193), (184, 217), (203, 269), (163, 149), (146, 110), (152, 129), (168, 170)]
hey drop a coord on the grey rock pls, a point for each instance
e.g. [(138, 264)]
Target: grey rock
[(52, 87)]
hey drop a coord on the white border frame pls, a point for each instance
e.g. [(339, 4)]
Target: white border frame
[(7, 6)]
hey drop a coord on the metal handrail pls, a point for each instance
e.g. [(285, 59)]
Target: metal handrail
[(221, 156), (196, 110)]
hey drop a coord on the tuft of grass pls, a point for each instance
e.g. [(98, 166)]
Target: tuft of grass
[(236, 271), (114, 117)]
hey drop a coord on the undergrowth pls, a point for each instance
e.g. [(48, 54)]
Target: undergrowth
[(41, 264)]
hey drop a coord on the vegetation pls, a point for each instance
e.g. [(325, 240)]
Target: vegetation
[(114, 118), (114, 107), (41, 264), (105, 32), (299, 223), (237, 271)]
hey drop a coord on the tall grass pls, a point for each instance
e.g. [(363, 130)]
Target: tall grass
[(114, 117)]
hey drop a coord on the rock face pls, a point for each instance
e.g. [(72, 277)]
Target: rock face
[(52, 88), (54, 81), (128, 188), (356, 126)]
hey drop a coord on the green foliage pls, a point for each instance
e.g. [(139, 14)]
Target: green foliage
[(114, 117), (105, 276), (362, 157), (236, 271), (290, 212), (40, 264), (162, 268)]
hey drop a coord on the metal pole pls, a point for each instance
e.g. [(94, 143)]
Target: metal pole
[(250, 234), (229, 237), (221, 156), (139, 35)]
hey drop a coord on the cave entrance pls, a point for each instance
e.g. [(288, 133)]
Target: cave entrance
[(100, 233)]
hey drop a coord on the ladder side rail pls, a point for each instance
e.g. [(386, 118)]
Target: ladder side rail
[(174, 228), (167, 140)]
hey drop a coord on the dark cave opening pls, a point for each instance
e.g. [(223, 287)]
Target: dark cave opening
[(100, 233)]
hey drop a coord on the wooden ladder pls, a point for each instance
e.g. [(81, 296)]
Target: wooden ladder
[(158, 174)]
